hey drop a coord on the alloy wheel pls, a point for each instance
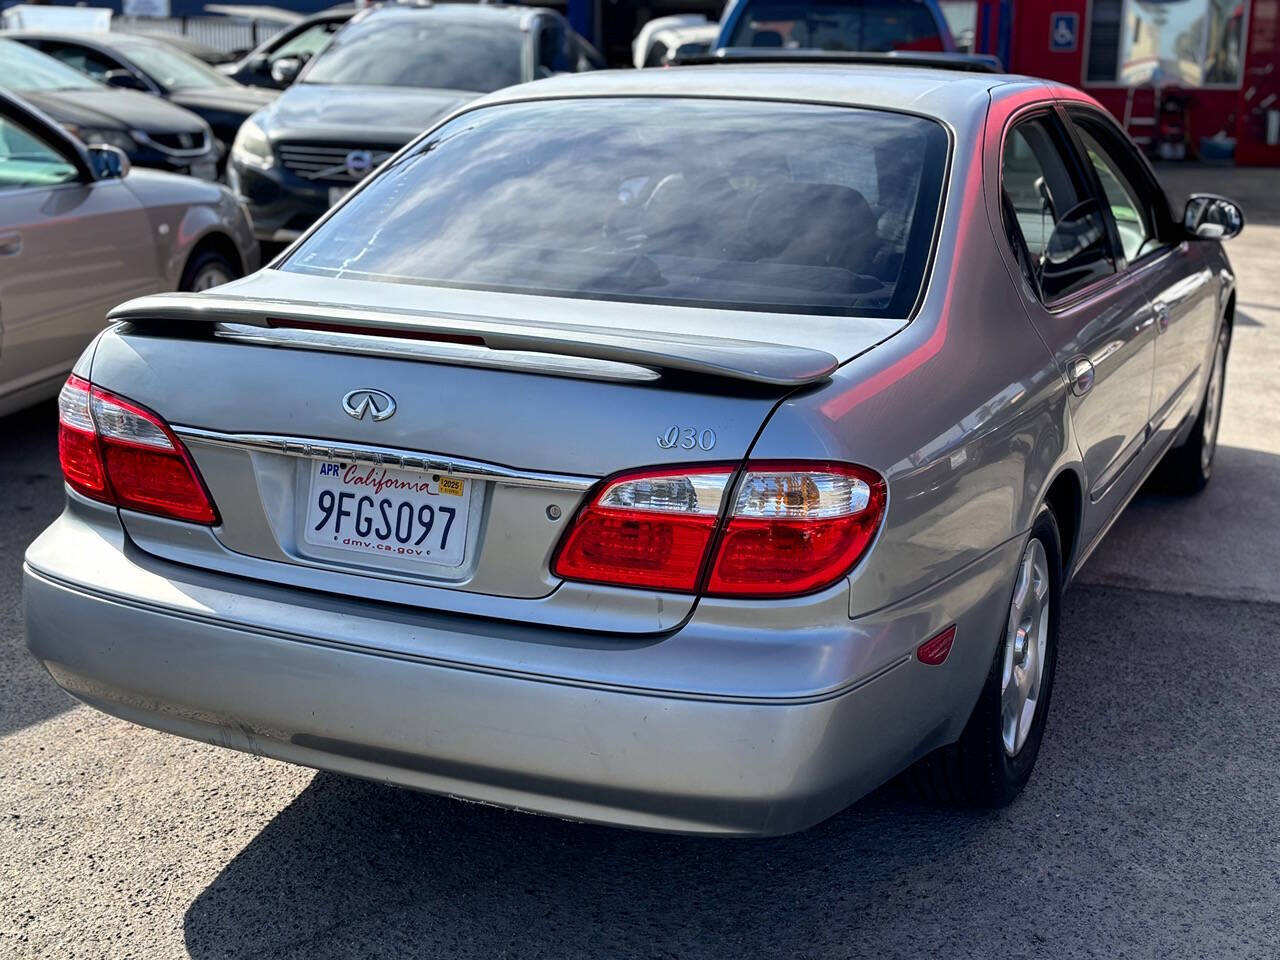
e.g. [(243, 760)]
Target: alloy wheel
[(1025, 648)]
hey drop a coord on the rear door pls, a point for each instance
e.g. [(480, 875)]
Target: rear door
[(1096, 319), (1173, 272), (70, 249)]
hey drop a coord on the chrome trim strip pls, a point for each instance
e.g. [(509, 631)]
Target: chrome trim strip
[(312, 449), (455, 354), (184, 152)]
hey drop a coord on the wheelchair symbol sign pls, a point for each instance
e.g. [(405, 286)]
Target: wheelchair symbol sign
[(1064, 30)]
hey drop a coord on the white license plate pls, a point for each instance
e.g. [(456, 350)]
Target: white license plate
[(205, 171), (382, 513), (337, 193)]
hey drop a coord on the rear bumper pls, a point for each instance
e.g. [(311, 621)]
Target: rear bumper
[(182, 658)]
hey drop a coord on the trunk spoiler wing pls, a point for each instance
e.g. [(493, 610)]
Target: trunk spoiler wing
[(752, 361)]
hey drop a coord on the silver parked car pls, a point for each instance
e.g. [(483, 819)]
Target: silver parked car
[(691, 466), (80, 233)]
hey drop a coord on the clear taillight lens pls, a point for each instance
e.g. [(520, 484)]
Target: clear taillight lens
[(793, 528), (117, 452), (796, 528)]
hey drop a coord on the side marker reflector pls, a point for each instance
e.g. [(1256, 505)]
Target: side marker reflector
[(935, 651)]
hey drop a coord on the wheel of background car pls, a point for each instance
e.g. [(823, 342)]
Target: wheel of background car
[(1187, 469), (206, 270), (992, 761)]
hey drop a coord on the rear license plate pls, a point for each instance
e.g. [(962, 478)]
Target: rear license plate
[(337, 193), (381, 513), (205, 171)]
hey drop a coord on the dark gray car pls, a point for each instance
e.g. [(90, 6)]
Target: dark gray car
[(686, 449), (386, 76)]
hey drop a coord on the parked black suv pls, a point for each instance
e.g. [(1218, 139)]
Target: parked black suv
[(386, 76)]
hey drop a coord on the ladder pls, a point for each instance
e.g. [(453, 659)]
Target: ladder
[(1141, 115)]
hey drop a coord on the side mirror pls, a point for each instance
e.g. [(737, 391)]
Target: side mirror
[(1210, 217), (261, 65), (109, 163), (285, 70), (125, 80)]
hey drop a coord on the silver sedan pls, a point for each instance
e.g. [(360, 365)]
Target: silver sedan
[(80, 232), (692, 449)]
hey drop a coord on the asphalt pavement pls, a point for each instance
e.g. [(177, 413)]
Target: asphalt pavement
[(1151, 827)]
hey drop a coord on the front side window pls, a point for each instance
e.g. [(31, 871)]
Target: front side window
[(307, 43), (869, 26), (27, 161), (421, 51), (738, 204), (1060, 223), (1129, 211), (32, 71), (81, 58)]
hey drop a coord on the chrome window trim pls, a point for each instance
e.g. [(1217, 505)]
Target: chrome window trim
[(315, 449)]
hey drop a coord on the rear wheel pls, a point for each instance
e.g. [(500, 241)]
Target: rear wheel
[(1188, 468), (207, 269), (991, 762)]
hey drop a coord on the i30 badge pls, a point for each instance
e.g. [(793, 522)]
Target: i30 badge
[(365, 400)]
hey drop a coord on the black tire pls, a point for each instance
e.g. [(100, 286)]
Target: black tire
[(204, 264), (1188, 468), (977, 771)]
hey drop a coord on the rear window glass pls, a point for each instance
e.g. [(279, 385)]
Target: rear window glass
[(874, 26), (740, 204)]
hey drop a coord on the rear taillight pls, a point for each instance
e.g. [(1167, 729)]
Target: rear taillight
[(646, 529), (115, 451), (793, 528)]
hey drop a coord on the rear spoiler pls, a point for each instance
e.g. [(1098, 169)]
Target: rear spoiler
[(763, 363)]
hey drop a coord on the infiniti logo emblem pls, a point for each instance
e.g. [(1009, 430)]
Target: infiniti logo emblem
[(366, 400), (359, 162)]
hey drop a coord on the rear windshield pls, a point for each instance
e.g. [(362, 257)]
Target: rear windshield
[(422, 51), (875, 26), (739, 204)]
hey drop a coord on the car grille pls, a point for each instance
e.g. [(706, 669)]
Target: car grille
[(180, 143), (327, 163)]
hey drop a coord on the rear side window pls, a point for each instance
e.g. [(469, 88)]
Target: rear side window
[(1058, 220), (748, 205), (871, 25)]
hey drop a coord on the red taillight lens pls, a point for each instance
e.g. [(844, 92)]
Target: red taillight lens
[(648, 529), (115, 451), (794, 528)]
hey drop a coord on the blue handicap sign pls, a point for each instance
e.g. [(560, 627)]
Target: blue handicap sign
[(1064, 30)]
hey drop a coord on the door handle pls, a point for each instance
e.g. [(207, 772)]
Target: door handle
[(1081, 372), (10, 244), (1162, 317)]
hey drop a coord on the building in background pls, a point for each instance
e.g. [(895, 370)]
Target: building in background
[(1199, 78)]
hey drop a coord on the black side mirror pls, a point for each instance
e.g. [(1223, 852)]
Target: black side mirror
[(285, 70), (109, 163), (1210, 217), (125, 80)]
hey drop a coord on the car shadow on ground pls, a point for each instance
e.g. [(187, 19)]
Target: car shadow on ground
[(1122, 818), (30, 497)]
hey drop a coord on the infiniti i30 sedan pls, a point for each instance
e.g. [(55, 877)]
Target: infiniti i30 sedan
[(80, 232), (688, 449)]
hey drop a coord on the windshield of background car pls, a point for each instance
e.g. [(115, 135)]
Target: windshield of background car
[(725, 203), (876, 26), (173, 69), (31, 70), (422, 51)]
